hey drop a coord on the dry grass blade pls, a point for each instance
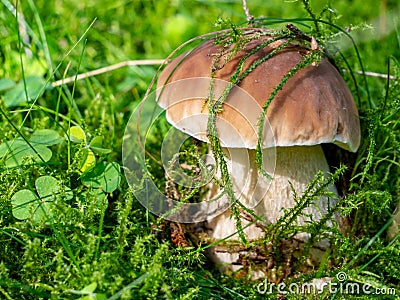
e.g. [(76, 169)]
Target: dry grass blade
[(103, 70)]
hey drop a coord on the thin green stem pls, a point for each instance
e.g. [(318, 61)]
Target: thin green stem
[(42, 34), (313, 16)]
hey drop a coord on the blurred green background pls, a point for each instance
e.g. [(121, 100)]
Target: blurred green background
[(152, 29)]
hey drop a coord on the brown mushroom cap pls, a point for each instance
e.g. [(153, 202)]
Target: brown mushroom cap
[(315, 105)]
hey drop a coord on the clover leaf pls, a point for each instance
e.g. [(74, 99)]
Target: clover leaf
[(106, 176), (32, 88), (27, 204), (47, 137), (6, 84), (87, 158), (15, 152), (96, 144), (76, 134), (89, 294)]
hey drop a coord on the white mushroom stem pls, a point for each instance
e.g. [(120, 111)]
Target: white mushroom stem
[(295, 168)]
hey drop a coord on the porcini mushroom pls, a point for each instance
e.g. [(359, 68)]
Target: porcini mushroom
[(313, 107)]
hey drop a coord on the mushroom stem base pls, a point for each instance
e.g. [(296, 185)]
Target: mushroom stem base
[(295, 168)]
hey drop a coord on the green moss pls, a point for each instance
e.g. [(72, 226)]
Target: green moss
[(106, 245)]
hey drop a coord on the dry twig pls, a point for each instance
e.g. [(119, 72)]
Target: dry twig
[(249, 17)]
